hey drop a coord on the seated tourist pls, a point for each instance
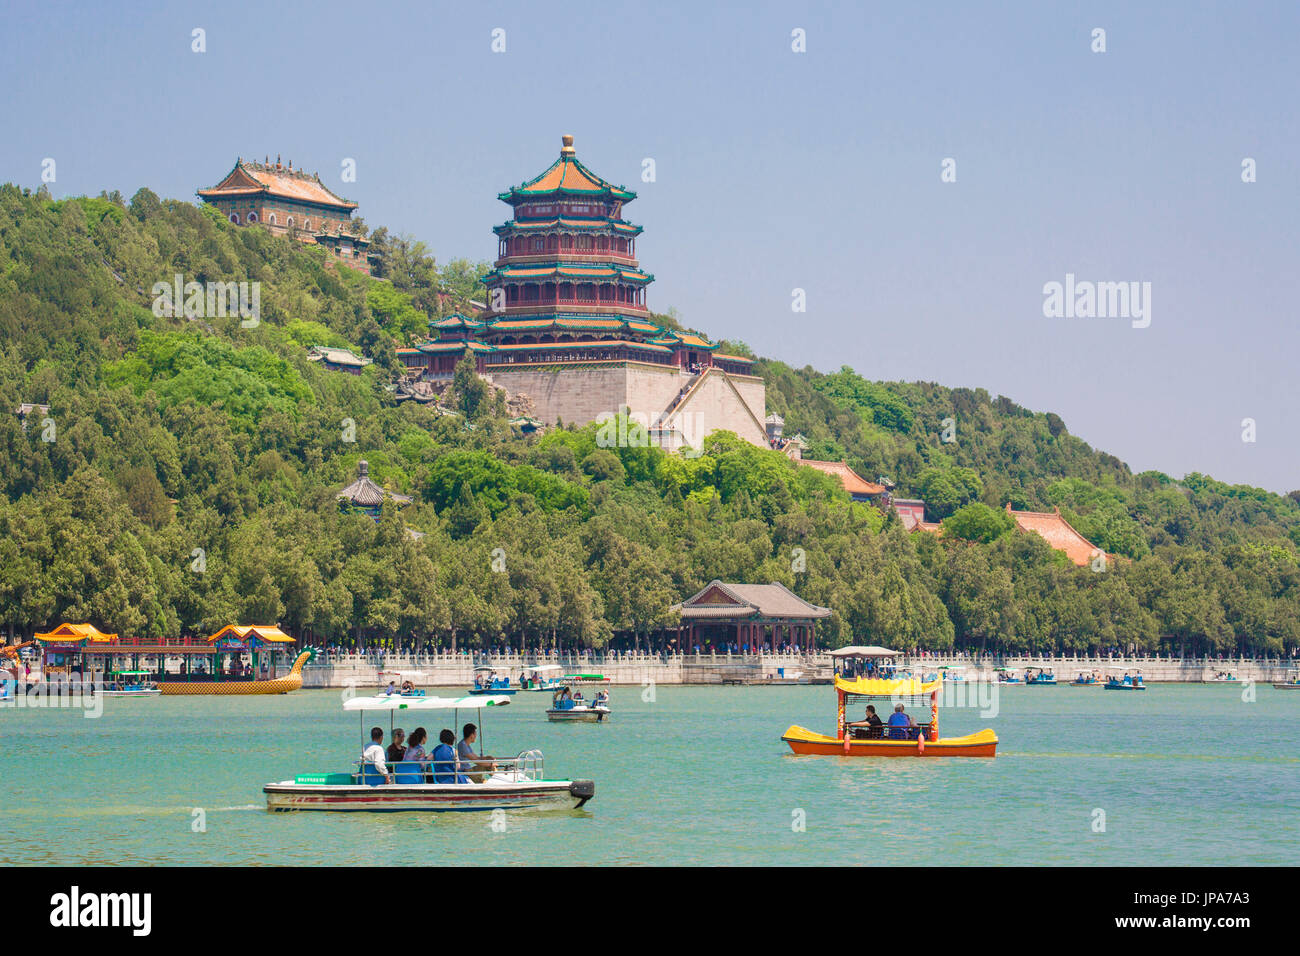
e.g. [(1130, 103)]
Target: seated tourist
[(373, 755), (445, 764), (415, 750), (470, 760), (871, 721), (900, 724), (392, 688), (398, 747)]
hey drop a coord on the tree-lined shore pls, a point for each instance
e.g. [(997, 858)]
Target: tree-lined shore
[(184, 478)]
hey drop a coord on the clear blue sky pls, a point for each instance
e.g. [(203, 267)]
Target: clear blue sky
[(778, 170)]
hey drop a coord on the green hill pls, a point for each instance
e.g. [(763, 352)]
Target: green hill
[(185, 478)]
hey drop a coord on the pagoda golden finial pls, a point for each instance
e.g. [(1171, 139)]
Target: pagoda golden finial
[(567, 148)]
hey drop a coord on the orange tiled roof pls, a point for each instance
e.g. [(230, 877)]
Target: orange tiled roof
[(853, 483), (567, 175), (1057, 532), (73, 633), (249, 178)]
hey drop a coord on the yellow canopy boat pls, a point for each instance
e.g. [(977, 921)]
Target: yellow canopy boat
[(890, 736)]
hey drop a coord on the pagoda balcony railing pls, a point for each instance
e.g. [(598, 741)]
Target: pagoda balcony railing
[(583, 305), (567, 256)]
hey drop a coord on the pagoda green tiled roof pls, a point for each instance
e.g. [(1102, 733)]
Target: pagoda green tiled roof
[(566, 177), (597, 223), (565, 270), (454, 345), (580, 344), (455, 321), (571, 322)]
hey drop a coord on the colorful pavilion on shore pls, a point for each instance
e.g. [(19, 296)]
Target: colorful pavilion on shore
[(1059, 533), (84, 649), (762, 616)]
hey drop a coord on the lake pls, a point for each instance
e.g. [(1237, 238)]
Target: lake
[(1185, 775)]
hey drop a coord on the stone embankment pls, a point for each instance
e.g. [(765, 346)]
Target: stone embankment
[(363, 670)]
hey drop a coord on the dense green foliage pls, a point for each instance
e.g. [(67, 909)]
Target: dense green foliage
[(186, 475)]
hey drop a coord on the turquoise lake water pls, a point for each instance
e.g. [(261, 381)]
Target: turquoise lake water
[(1186, 775)]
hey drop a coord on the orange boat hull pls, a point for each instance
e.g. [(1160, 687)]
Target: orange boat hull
[(981, 744)]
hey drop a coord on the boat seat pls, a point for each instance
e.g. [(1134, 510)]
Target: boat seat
[(372, 777), (407, 772)]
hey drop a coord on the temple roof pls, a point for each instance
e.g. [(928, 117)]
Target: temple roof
[(1057, 532), (601, 222), (269, 633), (722, 601), (566, 176), (455, 321), (581, 344), (569, 322), (253, 179), (569, 271), (75, 633), (451, 345), (853, 483), (333, 356), (366, 493)]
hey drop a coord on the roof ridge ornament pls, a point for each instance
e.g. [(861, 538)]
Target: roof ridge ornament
[(566, 148)]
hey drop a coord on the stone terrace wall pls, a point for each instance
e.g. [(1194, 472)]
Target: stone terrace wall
[(457, 670)]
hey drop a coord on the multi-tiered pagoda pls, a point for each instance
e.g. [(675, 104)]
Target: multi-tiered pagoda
[(566, 322)]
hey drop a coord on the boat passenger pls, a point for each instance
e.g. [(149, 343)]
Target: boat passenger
[(470, 760), (374, 754), (392, 688), (602, 698), (900, 724), (397, 748), (415, 750), (445, 764), (872, 722)]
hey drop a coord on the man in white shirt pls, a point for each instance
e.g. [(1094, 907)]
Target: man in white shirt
[(375, 754)]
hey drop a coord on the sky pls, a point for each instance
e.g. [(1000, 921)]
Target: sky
[(777, 169)]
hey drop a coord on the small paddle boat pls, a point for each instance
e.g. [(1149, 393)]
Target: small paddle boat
[(565, 707), (486, 681), (431, 785), (1006, 675), (400, 684), (1130, 681), (1086, 680), (1039, 675), (1292, 684), (901, 736), (131, 684), (541, 678)]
